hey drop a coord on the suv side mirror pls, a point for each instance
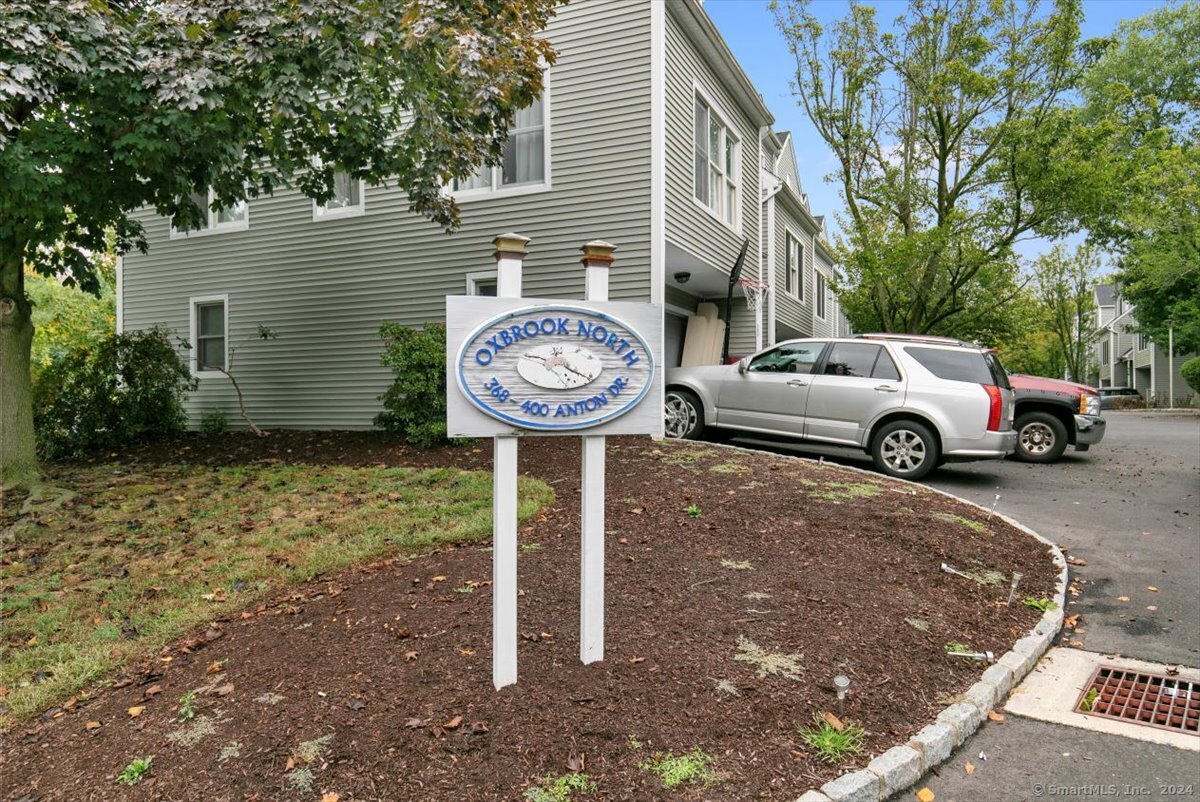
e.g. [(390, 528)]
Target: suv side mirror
[(743, 364)]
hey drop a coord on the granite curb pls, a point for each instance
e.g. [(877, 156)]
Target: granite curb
[(904, 765)]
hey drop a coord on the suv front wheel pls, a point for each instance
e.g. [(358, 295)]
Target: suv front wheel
[(1041, 437), (905, 449)]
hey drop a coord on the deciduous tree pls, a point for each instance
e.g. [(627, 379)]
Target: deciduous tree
[(110, 105)]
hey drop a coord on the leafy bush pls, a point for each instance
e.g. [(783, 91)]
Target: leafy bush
[(1190, 371), (102, 395), (214, 421), (415, 404)]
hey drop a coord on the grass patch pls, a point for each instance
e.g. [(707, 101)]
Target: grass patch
[(680, 455), (949, 517), (694, 767), (954, 647), (769, 663), (830, 744), (193, 732), (848, 491), (560, 789), (135, 560), (737, 565), (730, 467)]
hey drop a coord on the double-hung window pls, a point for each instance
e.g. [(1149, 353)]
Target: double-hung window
[(819, 292), (210, 334), (347, 200), (793, 281), (231, 218), (525, 158), (715, 180)]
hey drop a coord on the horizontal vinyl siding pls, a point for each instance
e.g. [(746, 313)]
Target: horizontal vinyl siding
[(792, 312), (325, 287), (828, 326), (689, 224)]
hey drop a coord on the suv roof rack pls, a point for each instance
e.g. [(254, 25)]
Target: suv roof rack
[(917, 338)]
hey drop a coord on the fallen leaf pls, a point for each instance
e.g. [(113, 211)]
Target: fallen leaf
[(623, 541), (1122, 598), (410, 655), (246, 616), (1076, 561), (215, 667), (466, 652), (291, 764), (225, 689), (453, 723), (478, 728), (1071, 620), (135, 711), (1152, 589), (637, 660), (414, 724), (439, 579), (637, 510), (576, 762), (925, 795), (153, 690), (92, 725), (833, 721), (969, 768), (1152, 608), (217, 595), (330, 797), (996, 717)]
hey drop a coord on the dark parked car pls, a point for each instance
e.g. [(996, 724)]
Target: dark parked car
[(1051, 414), (1112, 397)]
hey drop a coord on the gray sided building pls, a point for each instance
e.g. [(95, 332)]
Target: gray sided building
[(649, 135)]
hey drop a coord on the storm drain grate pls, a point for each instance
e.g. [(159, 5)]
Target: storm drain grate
[(1155, 700)]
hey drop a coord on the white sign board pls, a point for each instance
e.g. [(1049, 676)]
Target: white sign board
[(547, 366)]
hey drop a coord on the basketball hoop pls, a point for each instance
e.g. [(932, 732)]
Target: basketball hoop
[(755, 291)]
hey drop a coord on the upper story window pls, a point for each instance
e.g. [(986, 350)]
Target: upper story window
[(1104, 352), (525, 161), (716, 164), (347, 201), (793, 282), (1142, 342), (819, 294), (231, 218)]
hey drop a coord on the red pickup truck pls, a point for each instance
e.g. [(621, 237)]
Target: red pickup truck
[(1051, 414)]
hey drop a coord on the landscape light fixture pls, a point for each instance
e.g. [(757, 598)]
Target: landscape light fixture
[(841, 684), (1012, 591), (983, 657)]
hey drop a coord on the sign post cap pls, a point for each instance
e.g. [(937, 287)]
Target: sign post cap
[(597, 252), (511, 242)]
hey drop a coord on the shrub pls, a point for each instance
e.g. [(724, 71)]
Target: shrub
[(415, 404), (214, 421), (102, 395), (1190, 371)]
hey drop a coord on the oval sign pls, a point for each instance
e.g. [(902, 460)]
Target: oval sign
[(555, 368)]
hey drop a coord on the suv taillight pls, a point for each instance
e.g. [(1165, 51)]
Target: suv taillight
[(995, 407)]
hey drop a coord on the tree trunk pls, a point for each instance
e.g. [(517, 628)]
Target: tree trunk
[(18, 458)]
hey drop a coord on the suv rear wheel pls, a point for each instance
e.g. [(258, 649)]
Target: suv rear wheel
[(905, 449), (683, 415), (1041, 437)]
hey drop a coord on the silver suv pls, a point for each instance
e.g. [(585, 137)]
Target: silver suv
[(912, 402)]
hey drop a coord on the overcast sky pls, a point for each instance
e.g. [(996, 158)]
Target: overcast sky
[(749, 29)]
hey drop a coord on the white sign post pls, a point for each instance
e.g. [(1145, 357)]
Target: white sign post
[(526, 366)]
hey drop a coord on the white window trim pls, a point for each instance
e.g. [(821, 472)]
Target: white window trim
[(724, 117), (798, 288), (498, 189), (193, 324), (474, 279), (214, 227), (320, 212)]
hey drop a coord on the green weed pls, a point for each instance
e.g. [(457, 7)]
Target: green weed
[(187, 706), (737, 565), (136, 771), (1089, 699), (1039, 604), (560, 789), (954, 647), (676, 770), (848, 491), (950, 517), (693, 511), (830, 744)]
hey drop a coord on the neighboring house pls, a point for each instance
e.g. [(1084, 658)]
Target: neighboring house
[(649, 135), (1121, 356)]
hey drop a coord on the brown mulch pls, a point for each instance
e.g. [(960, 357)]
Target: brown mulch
[(395, 665)]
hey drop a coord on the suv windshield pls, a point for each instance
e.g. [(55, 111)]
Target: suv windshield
[(977, 367)]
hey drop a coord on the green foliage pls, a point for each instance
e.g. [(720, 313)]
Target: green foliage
[(1190, 371), (1089, 700), (560, 789), (832, 745), (415, 404), (1041, 605), (948, 132), (136, 771), (693, 511), (187, 706), (676, 770), (65, 318), (954, 647), (1139, 105), (214, 421), (123, 387)]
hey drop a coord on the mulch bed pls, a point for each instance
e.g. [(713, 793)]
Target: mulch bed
[(395, 665)]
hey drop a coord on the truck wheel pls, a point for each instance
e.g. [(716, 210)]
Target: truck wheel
[(1041, 437), (683, 415), (905, 449)]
